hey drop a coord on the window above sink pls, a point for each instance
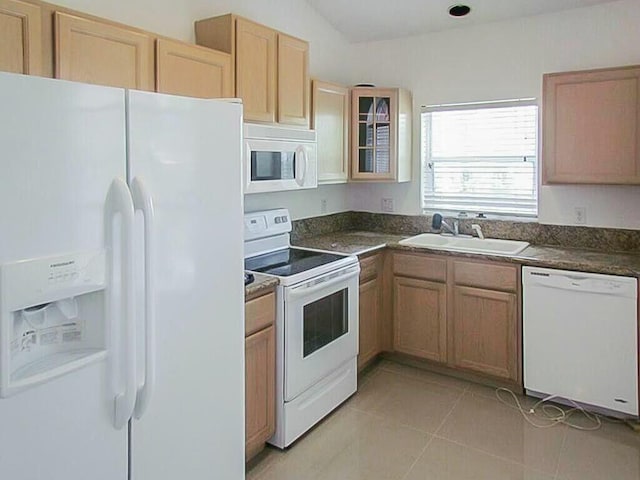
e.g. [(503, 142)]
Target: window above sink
[(481, 157)]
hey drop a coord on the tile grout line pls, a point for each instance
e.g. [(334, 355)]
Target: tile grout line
[(552, 475), (418, 457), (432, 436), (493, 455), (455, 404), (561, 449), (425, 380), (422, 382)]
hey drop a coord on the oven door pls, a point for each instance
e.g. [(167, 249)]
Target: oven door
[(321, 328)]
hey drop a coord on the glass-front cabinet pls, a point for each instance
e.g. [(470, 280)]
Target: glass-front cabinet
[(381, 134)]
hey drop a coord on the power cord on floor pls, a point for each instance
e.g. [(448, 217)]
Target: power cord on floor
[(551, 415)]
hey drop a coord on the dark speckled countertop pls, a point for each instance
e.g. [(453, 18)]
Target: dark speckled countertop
[(350, 242), (262, 285), (360, 242)]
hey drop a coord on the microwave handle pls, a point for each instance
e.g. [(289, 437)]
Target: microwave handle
[(302, 154)]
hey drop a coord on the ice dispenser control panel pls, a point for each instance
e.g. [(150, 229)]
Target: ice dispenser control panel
[(51, 318), (32, 282)]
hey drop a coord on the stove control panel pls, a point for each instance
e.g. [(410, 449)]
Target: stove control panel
[(266, 223)]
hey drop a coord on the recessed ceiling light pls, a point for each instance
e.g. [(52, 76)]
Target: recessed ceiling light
[(459, 10)]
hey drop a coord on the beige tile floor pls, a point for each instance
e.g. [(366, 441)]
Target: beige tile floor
[(407, 424)]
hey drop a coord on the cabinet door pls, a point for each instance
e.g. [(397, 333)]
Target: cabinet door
[(485, 335), (20, 38), (591, 127), (91, 51), (369, 341), (374, 127), (331, 122), (420, 318), (293, 80), (184, 69), (256, 70), (259, 389)]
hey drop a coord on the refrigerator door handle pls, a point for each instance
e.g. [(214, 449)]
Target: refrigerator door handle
[(119, 203), (143, 202)]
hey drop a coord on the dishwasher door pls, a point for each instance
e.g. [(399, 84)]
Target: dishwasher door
[(580, 334)]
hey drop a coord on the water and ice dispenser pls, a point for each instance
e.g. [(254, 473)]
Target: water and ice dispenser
[(52, 318)]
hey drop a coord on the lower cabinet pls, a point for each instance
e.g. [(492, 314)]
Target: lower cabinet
[(369, 309), (484, 331), (260, 373), (369, 344), (460, 313), (420, 318)]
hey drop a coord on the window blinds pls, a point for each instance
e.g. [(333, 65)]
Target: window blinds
[(481, 158)]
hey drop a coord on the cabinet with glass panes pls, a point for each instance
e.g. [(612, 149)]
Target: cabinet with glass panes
[(381, 134)]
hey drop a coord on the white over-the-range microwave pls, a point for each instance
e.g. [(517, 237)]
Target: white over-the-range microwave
[(279, 158)]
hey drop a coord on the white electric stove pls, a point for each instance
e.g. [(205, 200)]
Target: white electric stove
[(316, 323)]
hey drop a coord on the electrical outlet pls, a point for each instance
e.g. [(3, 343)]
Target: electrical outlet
[(387, 204), (580, 215), (323, 205)]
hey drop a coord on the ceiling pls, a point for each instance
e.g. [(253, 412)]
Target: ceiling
[(367, 20)]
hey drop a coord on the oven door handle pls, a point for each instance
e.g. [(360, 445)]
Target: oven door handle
[(302, 290)]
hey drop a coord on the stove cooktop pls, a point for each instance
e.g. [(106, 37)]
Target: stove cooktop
[(289, 261)]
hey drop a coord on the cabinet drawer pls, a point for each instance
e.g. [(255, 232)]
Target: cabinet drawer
[(369, 267), (259, 313), (486, 275), (420, 266)]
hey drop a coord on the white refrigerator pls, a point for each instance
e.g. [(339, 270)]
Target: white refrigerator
[(121, 291)]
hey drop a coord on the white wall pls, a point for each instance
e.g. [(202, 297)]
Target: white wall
[(501, 61), (329, 60)]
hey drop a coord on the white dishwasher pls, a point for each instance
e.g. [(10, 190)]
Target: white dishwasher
[(580, 334)]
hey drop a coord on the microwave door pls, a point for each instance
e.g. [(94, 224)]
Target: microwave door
[(266, 165), (288, 166)]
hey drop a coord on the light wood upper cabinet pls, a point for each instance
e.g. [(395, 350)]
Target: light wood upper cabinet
[(420, 318), (271, 69), (20, 37), (93, 51), (256, 70), (293, 80), (381, 134), (330, 120), (191, 70), (591, 127), (484, 331)]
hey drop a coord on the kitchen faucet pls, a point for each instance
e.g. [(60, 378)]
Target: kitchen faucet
[(438, 223), (476, 228)]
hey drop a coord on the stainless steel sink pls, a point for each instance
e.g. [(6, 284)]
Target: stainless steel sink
[(466, 244)]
